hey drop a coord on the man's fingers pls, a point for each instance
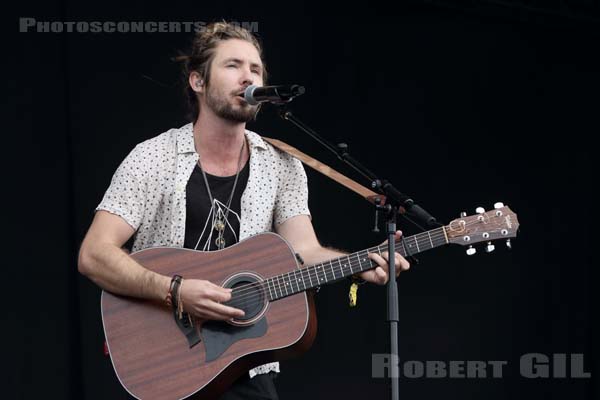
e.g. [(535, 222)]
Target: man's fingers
[(223, 311), (382, 276), (401, 263), (207, 314), (378, 259), (404, 264), (218, 295)]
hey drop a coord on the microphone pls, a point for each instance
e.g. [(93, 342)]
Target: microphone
[(274, 94)]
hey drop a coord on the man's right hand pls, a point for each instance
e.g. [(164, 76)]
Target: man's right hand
[(203, 299)]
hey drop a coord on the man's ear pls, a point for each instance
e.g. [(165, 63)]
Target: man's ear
[(196, 82)]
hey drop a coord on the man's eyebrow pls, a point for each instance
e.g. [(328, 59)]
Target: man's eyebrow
[(239, 61)]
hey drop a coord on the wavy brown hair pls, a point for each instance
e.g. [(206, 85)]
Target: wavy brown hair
[(202, 54)]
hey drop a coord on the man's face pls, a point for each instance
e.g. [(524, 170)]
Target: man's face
[(236, 66)]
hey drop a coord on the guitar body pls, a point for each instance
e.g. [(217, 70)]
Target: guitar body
[(152, 357)]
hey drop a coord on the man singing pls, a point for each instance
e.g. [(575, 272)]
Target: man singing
[(206, 186)]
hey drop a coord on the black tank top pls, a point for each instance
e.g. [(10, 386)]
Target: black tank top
[(199, 231)]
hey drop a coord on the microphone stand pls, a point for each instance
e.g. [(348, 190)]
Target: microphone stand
[(396, 202)]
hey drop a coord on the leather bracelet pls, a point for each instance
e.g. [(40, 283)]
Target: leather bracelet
[(179, 301), (169, 297)]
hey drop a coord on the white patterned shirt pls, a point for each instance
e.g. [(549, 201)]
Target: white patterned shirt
[(148, 191)]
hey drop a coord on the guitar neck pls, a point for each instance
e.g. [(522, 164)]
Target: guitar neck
[(336, 269)]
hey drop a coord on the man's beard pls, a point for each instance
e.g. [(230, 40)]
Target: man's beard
[(224, 109)]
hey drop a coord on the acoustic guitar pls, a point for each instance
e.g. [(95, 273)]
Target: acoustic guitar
[(157, 355)]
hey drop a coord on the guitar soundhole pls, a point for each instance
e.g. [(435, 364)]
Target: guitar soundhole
[(248, 295)]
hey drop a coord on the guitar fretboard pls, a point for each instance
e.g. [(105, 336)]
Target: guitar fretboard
[(336, 269)]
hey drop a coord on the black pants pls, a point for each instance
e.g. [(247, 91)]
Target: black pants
[(261, 387)]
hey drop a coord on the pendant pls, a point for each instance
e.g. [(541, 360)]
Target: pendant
[(220, 242), (219, 225)]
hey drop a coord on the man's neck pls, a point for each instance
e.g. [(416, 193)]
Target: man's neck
[(218, 140)]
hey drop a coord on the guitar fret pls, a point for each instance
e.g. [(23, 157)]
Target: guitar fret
[(417, 243), (430, 241), (349, 263), (369, 261), (269, 287), (276, 285), (319, 277), (296, 280), (332, 271), (292, 280), (282, 278), (285, 285), (324, 273), (408, 248), (401, 247), (360, 263), (445, 235), (279, 284), (302, 279), (309, 278)]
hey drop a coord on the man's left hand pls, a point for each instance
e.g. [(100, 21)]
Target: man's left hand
[(379, 275)]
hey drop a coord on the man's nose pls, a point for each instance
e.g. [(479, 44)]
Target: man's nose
[(247, 77)]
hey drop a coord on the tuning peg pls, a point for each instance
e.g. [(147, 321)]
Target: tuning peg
[(490, 247), (498, 205), (508, 244), (471, 250), (480, 210), (463, 214)]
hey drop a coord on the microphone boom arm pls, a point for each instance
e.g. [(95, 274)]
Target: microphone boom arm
[(405, 205)]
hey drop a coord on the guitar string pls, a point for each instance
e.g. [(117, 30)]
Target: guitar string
[(257, 296), (248, 291), (257, 290), (314, 268), (312, 271), (277, 285), (437, 234)]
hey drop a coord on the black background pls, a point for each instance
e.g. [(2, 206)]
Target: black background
[(458, 106)]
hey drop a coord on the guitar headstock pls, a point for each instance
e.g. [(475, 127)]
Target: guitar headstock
[(485, 226)]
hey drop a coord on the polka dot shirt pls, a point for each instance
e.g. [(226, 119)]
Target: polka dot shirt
[(148, 190)]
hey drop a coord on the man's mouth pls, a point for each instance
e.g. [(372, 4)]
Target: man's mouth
[(241, 96)]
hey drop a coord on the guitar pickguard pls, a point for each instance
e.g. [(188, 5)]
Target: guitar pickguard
[(218, 336)]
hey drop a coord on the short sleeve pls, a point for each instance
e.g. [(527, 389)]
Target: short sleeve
[(292, 193), (126, 195)]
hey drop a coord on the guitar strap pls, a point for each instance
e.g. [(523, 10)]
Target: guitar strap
[(318, 166)]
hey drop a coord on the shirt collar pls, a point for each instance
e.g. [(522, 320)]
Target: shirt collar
[(185, 140)]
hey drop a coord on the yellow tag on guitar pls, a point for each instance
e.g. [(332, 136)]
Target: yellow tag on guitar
[(352, 294)]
